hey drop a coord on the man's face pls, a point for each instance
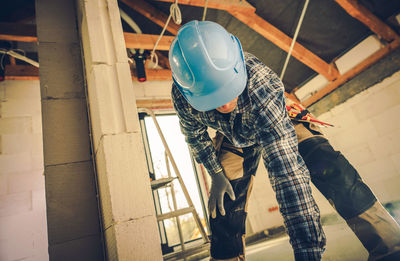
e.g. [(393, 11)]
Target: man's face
[(229, 107)]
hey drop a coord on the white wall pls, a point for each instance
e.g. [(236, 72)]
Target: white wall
[(367, 133), (23, 226)]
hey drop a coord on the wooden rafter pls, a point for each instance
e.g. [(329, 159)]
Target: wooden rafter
[(147, 41), (361, 13), (283, 41), (155, 75), (154, 103), (269, 32), (29, 72), (228, 5), (152, 13), (167, 103), (18, 32), (21, 72), (372, 59), (162, 60)]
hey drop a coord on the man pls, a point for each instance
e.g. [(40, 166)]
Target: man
[(330, 172), (217, 85)]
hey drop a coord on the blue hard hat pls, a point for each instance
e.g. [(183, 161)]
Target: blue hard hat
[(207, 65)]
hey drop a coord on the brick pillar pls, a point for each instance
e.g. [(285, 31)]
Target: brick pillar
[(74, 230), (130, 225)]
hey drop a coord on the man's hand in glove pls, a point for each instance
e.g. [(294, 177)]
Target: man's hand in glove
[(219, 185)]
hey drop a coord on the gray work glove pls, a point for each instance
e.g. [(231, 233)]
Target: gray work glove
[(219, 186)]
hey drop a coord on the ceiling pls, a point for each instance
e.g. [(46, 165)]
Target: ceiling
[(327, 31)]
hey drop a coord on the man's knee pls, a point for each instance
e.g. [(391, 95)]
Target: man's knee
[(335, 177)]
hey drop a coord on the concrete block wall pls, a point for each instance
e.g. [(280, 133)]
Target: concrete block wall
[(367, 133), (23, 222), (129, 221)]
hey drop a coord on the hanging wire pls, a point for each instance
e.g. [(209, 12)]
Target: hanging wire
[(205, 10), (18, 56), (175, 14), (294, 39)]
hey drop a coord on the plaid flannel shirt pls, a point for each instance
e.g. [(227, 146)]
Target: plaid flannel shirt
[(260, 118)]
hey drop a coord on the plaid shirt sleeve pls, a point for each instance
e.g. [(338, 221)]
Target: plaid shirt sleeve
[(287, 171), (195, 133)]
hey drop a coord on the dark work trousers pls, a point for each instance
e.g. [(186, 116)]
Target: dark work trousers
[(330, 172)]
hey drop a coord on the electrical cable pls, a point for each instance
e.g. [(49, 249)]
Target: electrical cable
[(18, 56), (175, 14), (133, 25), (205, 10), (294, 39)]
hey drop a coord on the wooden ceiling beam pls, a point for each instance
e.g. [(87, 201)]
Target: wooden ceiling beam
[(147, 41), (29, 72), (167, 103), (362, 14), (369, 61), (154, 103), (21, 72), (155, 75), (153, 14), (283, 41), (228, 5), (18, 32)]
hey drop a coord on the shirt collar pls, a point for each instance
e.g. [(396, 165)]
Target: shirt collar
[(243, 102)]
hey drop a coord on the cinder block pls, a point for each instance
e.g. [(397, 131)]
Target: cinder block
[(16, 143), (128, 100), (360, 155), (20, 182), (377, 170), (123, 179), (87, 248), (94, 17), (61, 71), (20, 107), (387, 121), (16, 248), (112, 102), (344, 120), (157, 89), (40, 244), (37, 123), (37, 143), (104, 112), (65, 132), (39, 211), (356, 136), (139, 90), (37, 162), (115, 26), (12, 204), (21, 89), (396, 161), (16, 125), (15, 162), (3, 183), (392, 186), (385, 145), (71, 202), (137, 239), (376, 104), (56, 22), (17, 226)]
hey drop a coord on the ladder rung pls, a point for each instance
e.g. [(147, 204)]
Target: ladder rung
[(160, 183), (175, 213), (187, 252)]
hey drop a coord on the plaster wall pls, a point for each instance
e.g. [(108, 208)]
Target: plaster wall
[(23, 222)]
